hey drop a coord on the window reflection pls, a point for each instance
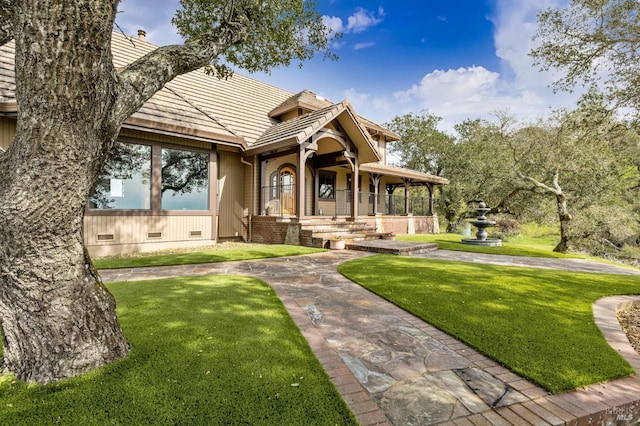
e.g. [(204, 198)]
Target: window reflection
[(326, 187), (125, 180), (185, 180)]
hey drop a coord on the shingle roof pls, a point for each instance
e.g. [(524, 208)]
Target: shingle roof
[(236, 110), (236, 107), (7, 74), (301, 128)]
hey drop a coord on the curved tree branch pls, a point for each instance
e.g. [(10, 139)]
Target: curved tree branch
[(6, 21), (144, 77), (556, 190)]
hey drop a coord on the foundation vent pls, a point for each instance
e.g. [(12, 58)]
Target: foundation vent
[(154, 235), (105, 237), (195, 234)]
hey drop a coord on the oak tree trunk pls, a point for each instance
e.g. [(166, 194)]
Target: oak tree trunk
[(565, 220), (57, 318)]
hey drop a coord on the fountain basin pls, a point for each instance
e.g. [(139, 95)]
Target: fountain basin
[(489, 242)]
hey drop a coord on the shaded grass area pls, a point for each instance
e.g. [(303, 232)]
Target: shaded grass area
[(539, 323), (532, 247), (222, 253), (207, 350)]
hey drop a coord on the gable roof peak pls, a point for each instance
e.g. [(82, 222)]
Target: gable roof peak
[(305, 99)]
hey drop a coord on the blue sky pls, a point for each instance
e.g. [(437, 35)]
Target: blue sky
[(456, 59)]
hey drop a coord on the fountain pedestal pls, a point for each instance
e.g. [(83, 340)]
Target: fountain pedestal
[(482, 223)]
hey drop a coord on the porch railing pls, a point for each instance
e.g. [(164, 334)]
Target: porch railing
[(278, 200), (281, 200), (393, 205)]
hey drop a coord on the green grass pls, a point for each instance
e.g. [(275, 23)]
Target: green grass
[(222, 253), (521, 246), (216, 350), (539, 323)]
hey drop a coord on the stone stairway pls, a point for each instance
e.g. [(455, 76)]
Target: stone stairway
[(358, 236), (318, 232)]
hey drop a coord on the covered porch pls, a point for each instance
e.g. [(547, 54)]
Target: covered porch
[(323, 173)]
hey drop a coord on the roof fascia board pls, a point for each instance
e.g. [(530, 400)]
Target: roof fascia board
[(149, 126), (11, 106), (361, 131), (404, 173), (290, 107), (284, 143)]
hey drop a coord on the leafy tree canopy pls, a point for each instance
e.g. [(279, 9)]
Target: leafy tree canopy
[(274, 32), (593, 41)]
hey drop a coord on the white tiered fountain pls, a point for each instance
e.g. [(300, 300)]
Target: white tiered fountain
[(482, 223)]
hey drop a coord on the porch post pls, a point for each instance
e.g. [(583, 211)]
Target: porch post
[(307, 149), (407, 185), (431, 199), (355, 189), (375, 180), (300, 183)]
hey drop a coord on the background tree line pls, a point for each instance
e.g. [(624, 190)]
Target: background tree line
[(578, 170)]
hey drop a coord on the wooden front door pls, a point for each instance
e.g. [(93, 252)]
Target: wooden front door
[(288, 190)]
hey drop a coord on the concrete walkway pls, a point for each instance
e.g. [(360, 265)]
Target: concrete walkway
[(394, 369)]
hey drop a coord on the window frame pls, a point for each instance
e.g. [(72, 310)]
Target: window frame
[(331, 175), (208, 189), (156, 176)]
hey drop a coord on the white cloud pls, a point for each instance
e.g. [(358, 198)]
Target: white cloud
[(519, 88), (356, 99), (515, 24), (366, 104), (334, 23), (366, 45), (469, 92), (455, 95), (362, 19)]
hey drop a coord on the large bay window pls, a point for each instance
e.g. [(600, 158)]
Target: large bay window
[(151, 177)]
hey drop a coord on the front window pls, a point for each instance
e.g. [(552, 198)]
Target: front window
[(327, 185), (185, 180), (125, 180)]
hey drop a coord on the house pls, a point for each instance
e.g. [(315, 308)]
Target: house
[(206, 160)]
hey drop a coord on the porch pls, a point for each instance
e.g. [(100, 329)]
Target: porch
[(280, 201)]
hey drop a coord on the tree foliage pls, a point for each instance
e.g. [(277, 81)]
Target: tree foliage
[(578, 168), (274, 33), (422, 146), (593, 41)]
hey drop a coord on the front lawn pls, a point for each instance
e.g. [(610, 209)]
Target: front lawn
[(224, 252), (539, 323), (533, 247), (206, 350)]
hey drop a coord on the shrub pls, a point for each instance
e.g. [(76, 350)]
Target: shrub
[(507, 226)]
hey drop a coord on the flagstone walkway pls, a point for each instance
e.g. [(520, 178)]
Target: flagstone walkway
[(394, 369)]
